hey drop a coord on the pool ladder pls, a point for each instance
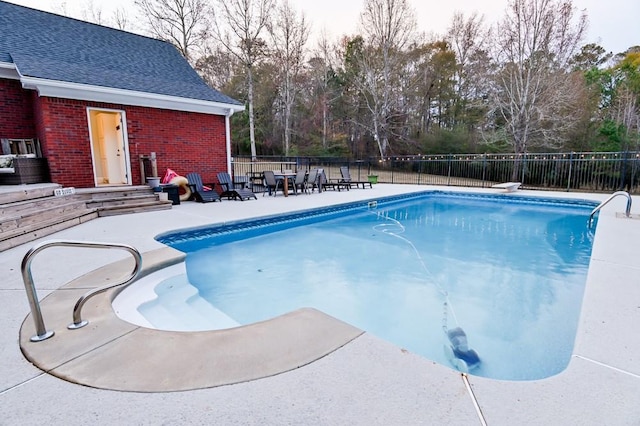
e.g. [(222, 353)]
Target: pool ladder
[(78, 322), (602, 204)]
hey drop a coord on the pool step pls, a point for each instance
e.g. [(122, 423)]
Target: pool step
[(181, 308)]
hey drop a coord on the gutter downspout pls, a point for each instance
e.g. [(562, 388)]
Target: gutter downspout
[(227, 126)]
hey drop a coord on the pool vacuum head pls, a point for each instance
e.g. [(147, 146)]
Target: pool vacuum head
[(458, 352)]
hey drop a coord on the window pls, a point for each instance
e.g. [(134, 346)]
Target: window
[(21, 146)]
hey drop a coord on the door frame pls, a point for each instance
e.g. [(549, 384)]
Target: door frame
[(124, 140)]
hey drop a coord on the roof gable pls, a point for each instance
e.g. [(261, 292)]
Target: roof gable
[(51, 47)]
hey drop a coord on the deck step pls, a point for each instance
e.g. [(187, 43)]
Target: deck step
[(46, 228), (134, 208), (40, 206), (28, 213), (108, 202), (26, 220), (17, 193), (113, 192)]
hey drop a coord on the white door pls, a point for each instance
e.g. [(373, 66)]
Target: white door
[(108, 145)]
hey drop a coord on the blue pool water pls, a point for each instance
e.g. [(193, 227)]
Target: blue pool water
[(510, 271)]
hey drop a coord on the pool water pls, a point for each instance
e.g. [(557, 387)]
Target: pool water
[(510, 272)]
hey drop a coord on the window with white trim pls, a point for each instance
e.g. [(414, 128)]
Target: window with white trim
[(21, 146)]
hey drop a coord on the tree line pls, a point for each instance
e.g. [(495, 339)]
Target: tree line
[(526, 83)]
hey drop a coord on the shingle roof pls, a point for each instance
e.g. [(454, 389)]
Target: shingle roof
[(53, 47)]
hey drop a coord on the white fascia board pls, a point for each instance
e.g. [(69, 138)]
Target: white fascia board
[(86, 92), (8, 70)]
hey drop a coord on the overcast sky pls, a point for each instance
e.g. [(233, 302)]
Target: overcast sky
[(614, 24)]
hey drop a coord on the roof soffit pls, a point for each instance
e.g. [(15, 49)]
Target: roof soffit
[(8, 70), (61, 89)]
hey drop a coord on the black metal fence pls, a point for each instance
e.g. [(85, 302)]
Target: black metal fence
[(575, 171)]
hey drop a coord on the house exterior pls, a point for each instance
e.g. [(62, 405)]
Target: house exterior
[(93, 100)]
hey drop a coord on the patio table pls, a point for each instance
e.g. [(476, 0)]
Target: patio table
[(284, 176)]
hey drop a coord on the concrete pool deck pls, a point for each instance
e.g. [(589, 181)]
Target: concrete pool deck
[(367, 381)]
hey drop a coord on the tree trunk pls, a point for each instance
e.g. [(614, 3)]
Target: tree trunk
[(252, 135)]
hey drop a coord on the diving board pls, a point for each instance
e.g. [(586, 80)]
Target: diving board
[(508, 186)]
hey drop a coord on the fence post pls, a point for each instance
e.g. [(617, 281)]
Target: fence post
[(634, 167), (393, 168), (570, 171), (449, 170), (484, 168), (623, 170)]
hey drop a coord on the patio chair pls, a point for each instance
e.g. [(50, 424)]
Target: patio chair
[(336, 184), (299, 183), (346, 178), (230, 191), (200, 193), (312, 181), (271, 183)]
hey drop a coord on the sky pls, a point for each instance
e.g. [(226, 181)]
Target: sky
[(614, 24)]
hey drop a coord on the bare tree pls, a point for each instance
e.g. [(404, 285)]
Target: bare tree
[(469, 37), (92, 13), (466, 35), (60, 7), (321, 68), (219, 68), (238, 26), (120, 19), (289, 34), (625, 105), (535, 94), (183, 23), (389, 26), (89, 12)]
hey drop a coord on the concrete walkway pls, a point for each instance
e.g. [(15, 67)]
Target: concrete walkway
[(366, 382)]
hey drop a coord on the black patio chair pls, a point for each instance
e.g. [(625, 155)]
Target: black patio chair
[(346, 178), (230, 191), (271, 183), (200, 193), (312, 181), (335, 184), (300, 181)]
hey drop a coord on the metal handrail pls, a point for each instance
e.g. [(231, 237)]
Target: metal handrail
[(27, 277), (602, 204)]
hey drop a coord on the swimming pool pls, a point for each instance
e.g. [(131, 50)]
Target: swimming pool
[(402, 268)]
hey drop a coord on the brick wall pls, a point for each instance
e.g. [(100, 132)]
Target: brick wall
[(182, 141), (185, 142), (16, 111)]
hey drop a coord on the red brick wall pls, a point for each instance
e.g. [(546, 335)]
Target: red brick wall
[(185, 142), (182, 141), (16, 111)]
